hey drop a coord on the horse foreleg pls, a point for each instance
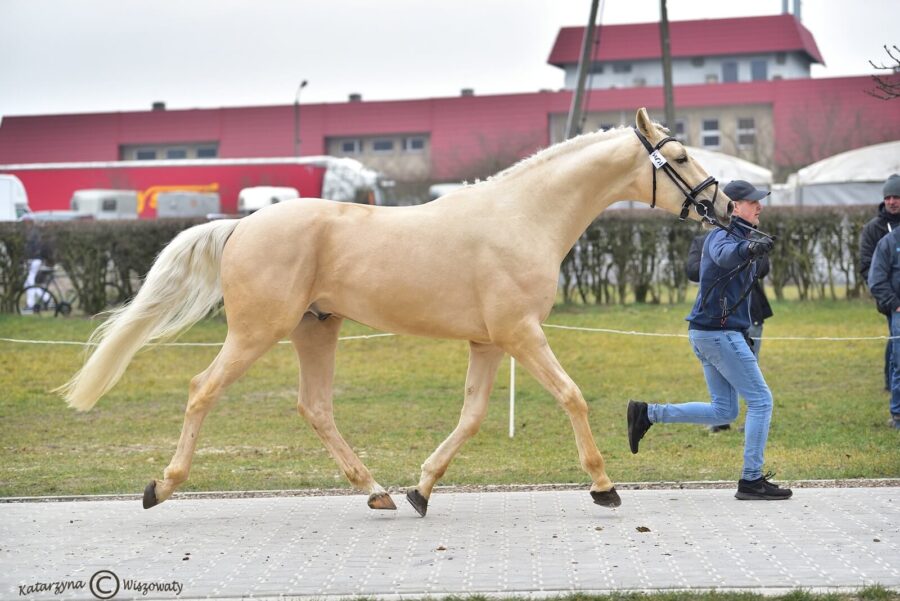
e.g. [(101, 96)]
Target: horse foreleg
[(236, 356), (534, 353), (316, 343), (483, 363)]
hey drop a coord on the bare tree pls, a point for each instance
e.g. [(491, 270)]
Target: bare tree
[(887, 88), (495, 154), (825, 126)]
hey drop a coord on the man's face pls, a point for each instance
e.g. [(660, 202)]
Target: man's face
[(749, 210), (892, 204)]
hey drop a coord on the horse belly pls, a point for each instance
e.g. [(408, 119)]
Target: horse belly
[(402, 283)]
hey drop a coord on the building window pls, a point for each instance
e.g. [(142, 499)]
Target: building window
[(780, 58), (712, 78), (710, 136), (746, 132), (698, 61), (176, 153), (145, 154), (596, 68), (207, 152), (108, 205), (351, 146), (382, 145), (729, 71), (621, 67), (414, 144), (759, 70)]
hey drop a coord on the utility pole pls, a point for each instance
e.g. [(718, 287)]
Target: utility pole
[(667, 65), (297, 118), (587, 51)]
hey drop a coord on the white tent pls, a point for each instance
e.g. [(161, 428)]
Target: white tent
[(726, 168), (721, 166), (848, 178)]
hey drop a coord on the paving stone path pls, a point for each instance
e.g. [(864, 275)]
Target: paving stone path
[(534, 543)]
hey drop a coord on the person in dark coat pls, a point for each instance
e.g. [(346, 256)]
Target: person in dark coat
[(760, 309), (884, 283), (717, 333), (887, 219)]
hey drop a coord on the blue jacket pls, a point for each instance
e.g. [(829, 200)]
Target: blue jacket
[(724, 251), (884, 272)]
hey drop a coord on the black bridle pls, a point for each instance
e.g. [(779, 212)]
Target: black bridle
[(705, 209)]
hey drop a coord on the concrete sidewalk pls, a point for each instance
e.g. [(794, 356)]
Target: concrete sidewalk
[(538, 543)]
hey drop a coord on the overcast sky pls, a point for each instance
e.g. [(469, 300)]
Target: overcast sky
[(63, 56)]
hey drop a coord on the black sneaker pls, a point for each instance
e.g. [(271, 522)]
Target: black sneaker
[(638, 423), (761, 490), (721, 428)]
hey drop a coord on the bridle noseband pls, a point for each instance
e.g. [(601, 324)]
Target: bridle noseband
[(705, 208)]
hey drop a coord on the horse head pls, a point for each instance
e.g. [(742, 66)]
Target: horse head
[(679, 184)]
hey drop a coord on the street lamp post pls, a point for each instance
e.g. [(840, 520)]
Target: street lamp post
[(297, 118)]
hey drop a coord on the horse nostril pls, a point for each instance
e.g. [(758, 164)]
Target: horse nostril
[(730, 208)]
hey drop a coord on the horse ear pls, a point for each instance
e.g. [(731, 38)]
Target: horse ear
[(644, 124)]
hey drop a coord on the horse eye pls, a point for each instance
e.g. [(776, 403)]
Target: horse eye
[(681, 160)]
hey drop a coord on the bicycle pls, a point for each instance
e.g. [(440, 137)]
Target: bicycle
[(46, 297)]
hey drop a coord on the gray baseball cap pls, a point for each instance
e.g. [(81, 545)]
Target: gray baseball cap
[(741, 190)]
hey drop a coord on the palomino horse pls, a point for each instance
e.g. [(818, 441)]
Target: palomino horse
[(480, 264)]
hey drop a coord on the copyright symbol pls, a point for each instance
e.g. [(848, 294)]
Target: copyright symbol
[(104, 584)]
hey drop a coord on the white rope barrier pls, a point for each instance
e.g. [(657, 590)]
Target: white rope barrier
[(512, 361), (767, 337), (546, 325)]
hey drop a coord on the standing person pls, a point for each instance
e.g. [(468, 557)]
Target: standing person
[(884, 283), (718, 328), (887, 219), (760, 309), (35, 253)]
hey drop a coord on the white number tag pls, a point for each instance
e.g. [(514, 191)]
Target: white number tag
[(657, 159)]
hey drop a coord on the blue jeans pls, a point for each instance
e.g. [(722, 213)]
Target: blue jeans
[(895, 365), (730, 369)]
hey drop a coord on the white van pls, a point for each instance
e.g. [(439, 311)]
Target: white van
[(257, 197), (13, 199), (186, 204), (106, 204)]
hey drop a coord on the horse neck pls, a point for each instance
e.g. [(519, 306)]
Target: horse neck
[(563, 195)]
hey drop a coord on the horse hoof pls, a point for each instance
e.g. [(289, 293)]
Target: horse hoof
[(150, 495), (381, 500), (419, 503), (607, 498)]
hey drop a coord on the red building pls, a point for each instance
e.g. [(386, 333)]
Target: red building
[(748, 94)]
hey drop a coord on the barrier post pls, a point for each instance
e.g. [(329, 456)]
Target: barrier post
[(512, 397)]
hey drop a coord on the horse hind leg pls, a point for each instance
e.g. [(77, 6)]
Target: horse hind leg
[(237, 354), (315, 341), (484, 360), (534, 353)]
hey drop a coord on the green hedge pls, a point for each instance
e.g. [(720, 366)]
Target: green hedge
[(91, 253), (624, 256), (639, 255)]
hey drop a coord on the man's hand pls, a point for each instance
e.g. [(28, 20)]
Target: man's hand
[(760, 247)]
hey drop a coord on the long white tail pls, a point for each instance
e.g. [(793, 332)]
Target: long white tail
[(182, 287)]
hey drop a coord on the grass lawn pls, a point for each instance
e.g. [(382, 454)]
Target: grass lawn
[(398, 397)]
